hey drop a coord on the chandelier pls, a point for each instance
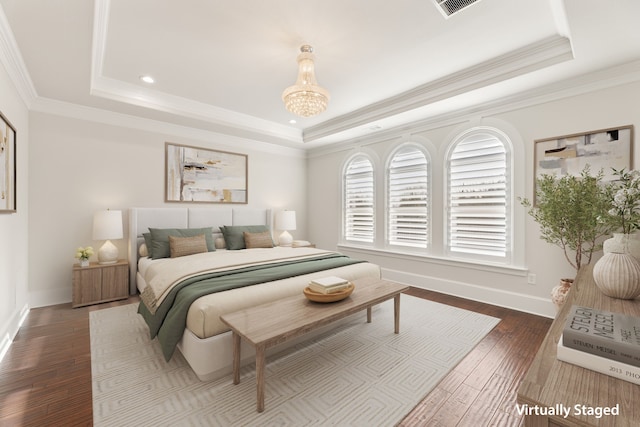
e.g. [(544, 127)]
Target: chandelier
[(305, 98)]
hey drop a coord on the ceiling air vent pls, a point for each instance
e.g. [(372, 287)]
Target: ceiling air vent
[(449, 7)]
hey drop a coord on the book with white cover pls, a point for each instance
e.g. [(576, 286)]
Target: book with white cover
[(600, 364), (329, 281), (329, 290)]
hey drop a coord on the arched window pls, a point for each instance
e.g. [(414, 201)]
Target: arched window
[(479, 195), (408, 222), (359, 200)]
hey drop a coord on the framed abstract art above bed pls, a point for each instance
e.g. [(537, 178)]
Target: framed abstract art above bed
[(202, 175)]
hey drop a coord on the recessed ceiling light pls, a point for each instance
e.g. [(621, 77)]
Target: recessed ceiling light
[(147, 79), (293, 121)]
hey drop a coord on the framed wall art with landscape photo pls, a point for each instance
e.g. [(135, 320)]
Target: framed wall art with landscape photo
[(201, 175), (7, 166), (569, 154)]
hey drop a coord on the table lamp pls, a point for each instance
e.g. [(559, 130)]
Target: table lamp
[(286, 220), (107, 225)]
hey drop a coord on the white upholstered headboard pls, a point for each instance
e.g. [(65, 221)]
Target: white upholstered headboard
[(140, 219)]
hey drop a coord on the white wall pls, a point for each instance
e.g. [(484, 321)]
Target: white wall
[(13, 227), (79, 166), (601, 109)]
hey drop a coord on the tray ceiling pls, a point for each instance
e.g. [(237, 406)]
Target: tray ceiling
[(222, 66)]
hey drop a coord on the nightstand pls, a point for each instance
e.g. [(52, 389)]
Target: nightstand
[(100, 283)]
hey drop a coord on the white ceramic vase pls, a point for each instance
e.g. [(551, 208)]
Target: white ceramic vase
[(84, 263), (618, 275), (623, 243)]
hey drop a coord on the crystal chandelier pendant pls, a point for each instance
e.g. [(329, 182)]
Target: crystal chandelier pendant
[(305, 98)]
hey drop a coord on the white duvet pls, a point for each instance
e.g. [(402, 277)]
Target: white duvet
[(161, 275)]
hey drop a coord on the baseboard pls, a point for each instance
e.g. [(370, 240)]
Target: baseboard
[(9, 331), (513, 300)]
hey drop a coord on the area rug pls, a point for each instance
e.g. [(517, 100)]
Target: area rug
[(357, 374)]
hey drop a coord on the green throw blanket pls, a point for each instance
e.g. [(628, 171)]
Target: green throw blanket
[(170, 319)]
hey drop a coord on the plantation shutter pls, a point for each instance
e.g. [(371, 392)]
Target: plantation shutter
[(408, 222), (359, 201), (478, 199)]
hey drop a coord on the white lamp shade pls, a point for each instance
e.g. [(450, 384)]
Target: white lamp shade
[(286, 220), (107, 225)]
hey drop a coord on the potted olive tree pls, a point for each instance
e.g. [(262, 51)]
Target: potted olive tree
[(571, 212)]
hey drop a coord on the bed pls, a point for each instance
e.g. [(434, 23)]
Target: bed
[(244, 278)]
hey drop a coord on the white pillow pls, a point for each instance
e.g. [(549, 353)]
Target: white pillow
[(220, 243), (143, 250)]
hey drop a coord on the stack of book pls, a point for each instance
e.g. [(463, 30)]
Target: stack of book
[(329, 285), (602, 341)]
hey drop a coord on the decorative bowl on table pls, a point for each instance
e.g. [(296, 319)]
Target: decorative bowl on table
[(331, 297)]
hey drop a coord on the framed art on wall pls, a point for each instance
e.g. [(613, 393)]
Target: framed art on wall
[(569, 154), (202, 175), (7, 166)]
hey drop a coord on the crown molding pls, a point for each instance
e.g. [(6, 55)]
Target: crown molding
[(145, 97), (535, 56), (599, 80), (11, 58), (91, 114)]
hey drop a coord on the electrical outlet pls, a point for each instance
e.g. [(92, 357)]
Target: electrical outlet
[(531, 279)]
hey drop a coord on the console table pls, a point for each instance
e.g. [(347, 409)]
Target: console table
[(550, 382)]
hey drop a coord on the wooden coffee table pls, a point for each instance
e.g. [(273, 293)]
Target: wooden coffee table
[(269, 324)]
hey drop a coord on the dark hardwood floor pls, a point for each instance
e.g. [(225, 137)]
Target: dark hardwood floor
[(482, 389), (45, 378)]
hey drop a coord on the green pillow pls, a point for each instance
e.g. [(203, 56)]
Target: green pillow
[(234, 237), (148, 242), (160, 239)]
